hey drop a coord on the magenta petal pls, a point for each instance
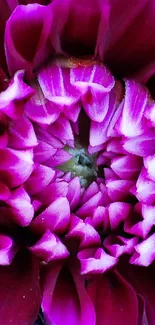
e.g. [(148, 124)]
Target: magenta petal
[(43, 135), (119, 190), (142, 145), (118, 212), (95, 261), (13, 98), (53, 191), (56, 217), (43, 151), (62, 129), (86, 234), (8, 250), (94, 82), (16, 166), (74, 192), (59, 158), (65, 289), (131, 120), (27, 47), (118, 245), (114, 299), (88, 207), (145, 188), (127, 167), (144, 252), (24, 299), (39, 179), (149, 163), (22, 211), (40, 110), (49, 248), (21, 134), (4, 192)]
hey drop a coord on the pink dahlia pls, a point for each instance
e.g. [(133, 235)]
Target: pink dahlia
[(77, 162)]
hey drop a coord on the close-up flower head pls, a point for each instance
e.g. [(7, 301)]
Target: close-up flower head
[(77, 162)]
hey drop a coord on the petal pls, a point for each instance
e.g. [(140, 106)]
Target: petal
[(27, 47), (118, 212), (21, 134), (95, 261), (8, 249), (39, 179), (142, 145), (49, 248), (12, 99), (118, 245), (144, 252), (114, 299), (24, 299), (16, 166), (65, 289), (131, 123), (56, 217), (74, 192), (22, 211), (127, 167)]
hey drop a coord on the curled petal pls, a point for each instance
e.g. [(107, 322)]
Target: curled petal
[(8, 249), (118, 245), (88, 207), (12, 99), (144, 252), (53, 191), (86, 234), (119, 190), (42, 152), (145, 188), (95, 82), (100, 218), (95, 261), (49, 248), (27, 47), (149, 165)]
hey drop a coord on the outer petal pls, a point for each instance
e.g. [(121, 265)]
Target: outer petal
[(64, 289), (8, 249), (19, 304), (114, 299), (26, 47)]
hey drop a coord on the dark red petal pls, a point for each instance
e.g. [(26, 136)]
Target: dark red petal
[(20, 291)]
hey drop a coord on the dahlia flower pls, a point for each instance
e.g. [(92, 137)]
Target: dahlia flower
[(77, 162)]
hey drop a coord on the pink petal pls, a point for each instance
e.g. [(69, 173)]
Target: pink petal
[(22, 211), (49, 248), (118, 245), (8, 249), (88, 207), (56, 217), (59, 158), (142, 145), (118, 212), (131, 120), (21, 134), (22, 50), (100, 218), (53, 191), (144, 252), (64, 289), (62, 129), (95, 261), (42, 152), (119, 190), (85, 233), (12, 99), (39, 179), (94, 82), (145, 188), (74, 192), (24, 299), (4, 192), (149, 165), (16, 166), (43, 135), (127, 167), (40, 110)]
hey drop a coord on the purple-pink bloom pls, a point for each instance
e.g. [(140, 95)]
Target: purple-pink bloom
[(77, 156)]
